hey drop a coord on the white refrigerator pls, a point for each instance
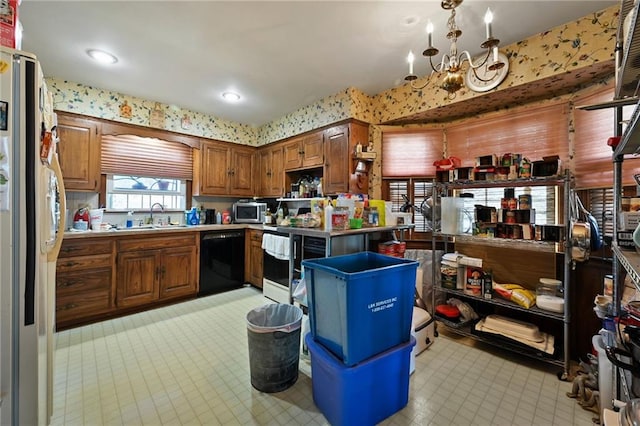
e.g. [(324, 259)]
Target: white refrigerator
[(31, 229)]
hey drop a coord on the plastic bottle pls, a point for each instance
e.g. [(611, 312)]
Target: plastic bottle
[(328, 213), (219, 218), (279, 216)]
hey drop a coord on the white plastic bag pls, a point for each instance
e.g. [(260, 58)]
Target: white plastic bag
[(299, 291)]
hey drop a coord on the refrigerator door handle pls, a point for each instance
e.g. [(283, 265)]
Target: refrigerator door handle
[(54, 249)]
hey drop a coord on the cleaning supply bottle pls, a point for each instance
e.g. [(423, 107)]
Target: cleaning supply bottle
[(328, 213), (219, 218)]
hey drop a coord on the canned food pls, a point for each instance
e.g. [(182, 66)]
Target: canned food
[(525, 201)]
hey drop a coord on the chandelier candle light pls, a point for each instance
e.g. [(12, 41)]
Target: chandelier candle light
[(486, 72)]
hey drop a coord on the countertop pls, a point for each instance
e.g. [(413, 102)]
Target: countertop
[(313, 232), (157, 230)]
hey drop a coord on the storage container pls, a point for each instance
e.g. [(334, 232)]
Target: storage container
[(360, 304), (362, 395)]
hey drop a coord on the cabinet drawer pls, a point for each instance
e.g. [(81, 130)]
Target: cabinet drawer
[(71, 264), (81, 247), (77, 307), (83, 282), (157, 242)]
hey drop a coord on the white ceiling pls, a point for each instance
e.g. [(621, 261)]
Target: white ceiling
[(279, 55)]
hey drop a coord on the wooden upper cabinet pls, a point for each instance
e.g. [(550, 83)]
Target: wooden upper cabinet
[(270, 171), (214, 171), (79, 152), (277, 172), (339, 145), (240, 182), (336, 168), (222, 169), (293, 154), (304, 152), (312, 150)]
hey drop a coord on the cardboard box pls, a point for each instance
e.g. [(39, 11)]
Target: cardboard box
[(474, 280), (629, 221)]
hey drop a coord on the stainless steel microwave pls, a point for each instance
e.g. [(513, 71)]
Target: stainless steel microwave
[(249, 212)]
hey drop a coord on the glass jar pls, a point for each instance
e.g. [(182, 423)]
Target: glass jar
[(549, 287)]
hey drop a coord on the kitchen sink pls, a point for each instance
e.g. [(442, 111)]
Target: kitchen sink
[(148, 227)]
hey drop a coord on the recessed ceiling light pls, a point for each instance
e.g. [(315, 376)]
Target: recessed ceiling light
[(230, 96), (102, 56)]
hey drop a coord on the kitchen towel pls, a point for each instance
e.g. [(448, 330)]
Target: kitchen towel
[(276, 245)]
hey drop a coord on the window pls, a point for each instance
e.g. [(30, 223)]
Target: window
[(126, 192), (414, 194), (601, 207)]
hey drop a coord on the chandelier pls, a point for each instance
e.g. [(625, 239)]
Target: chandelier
[(484, 68)]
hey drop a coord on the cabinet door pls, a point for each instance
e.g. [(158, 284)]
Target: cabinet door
[(215, 171), (293, 154), (277, 172), (312, 150), (253, 258), (264, 172), (79, 152), (241, 166), (137, 278), (178, 272), (336, 166)]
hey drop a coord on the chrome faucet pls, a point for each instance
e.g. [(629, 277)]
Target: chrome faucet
[(151, 211)]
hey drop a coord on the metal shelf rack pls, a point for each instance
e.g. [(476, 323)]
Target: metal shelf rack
[(565, 182)]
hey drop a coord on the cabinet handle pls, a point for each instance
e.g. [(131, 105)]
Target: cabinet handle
[(67, 307), (70, 249), (69, 283)]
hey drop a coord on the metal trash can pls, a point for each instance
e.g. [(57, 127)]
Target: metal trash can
[(273, 332)]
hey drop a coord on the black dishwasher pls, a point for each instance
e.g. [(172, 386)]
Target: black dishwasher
[(221, 261)]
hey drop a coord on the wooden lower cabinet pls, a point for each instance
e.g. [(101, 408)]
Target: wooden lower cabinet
[(253, 258), (137, 278), (93, 283), (85, 285), (156, 269)]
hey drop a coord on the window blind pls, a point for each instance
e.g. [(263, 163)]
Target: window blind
[(534, 132), (411, 153), (592, 156), (134, 155)]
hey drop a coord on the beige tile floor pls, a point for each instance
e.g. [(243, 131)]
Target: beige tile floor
[(188, 364)]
